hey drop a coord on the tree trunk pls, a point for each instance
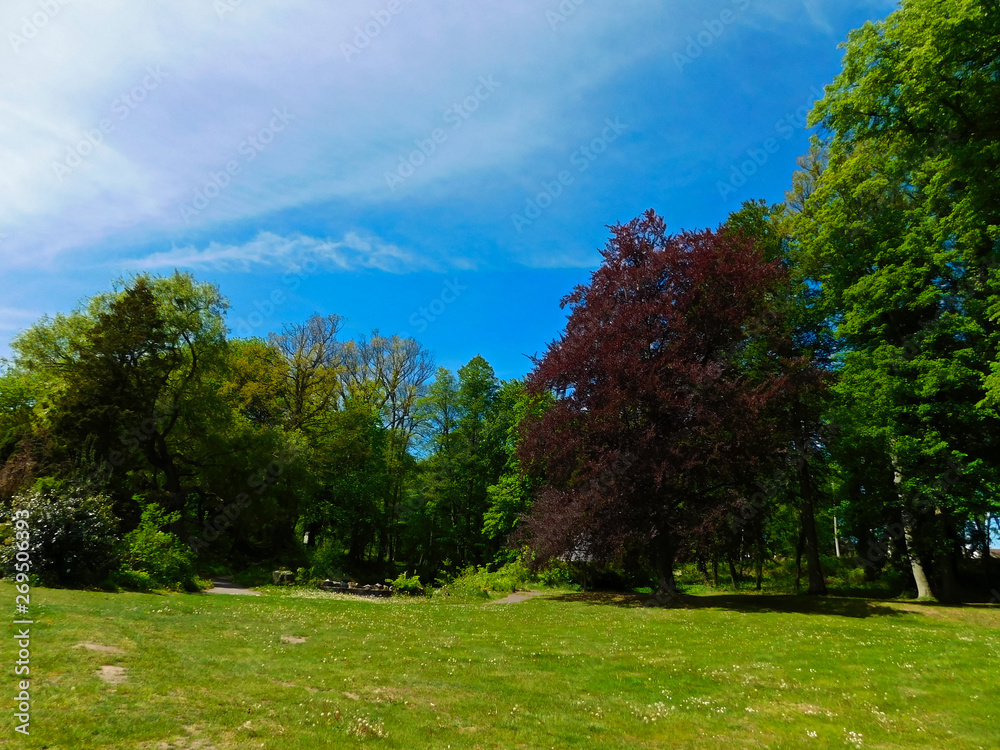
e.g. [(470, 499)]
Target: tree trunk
[(715, 572), (703, 569), (158, 454), (987, 551), (391, 531), (949, 579), (865, 541), (982, 527), (949, 568), (817, 584), (666, 552), (761, 544), (919, 576), (732, 572), (910, 535), (359, 543), (799, 546)]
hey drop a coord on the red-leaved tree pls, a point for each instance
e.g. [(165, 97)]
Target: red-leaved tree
[(670, 379)]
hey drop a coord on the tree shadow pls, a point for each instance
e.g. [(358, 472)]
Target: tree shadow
[(746, 603)]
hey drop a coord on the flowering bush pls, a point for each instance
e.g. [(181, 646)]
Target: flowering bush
[(72, 537)]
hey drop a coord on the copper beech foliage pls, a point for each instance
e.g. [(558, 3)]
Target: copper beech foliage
[(672, 380)]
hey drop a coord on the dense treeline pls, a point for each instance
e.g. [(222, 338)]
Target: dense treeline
[(725, 396), (303, 445)]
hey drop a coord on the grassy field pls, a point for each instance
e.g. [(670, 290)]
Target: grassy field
[(301, 669)]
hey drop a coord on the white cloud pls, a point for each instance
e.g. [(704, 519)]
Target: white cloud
[(817, 16), (222, 77), (269, 250)]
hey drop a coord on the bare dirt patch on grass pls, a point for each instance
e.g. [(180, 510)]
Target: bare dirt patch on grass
[(293, 685), (100, 648), (113, 675)]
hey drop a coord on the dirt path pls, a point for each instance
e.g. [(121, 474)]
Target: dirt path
[(519, 596), (225, 585)]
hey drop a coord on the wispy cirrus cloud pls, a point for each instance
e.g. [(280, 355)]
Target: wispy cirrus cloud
[(269, 251), (161, 103)]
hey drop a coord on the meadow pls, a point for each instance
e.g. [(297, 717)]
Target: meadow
[(298, 668)]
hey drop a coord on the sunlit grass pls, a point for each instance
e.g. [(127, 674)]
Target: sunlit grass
[(570, 670)]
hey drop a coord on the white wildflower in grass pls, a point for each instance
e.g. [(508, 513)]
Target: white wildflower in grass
[(361, 727), (654, 711)]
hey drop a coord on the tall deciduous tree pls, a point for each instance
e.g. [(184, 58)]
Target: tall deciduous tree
[(129, 375), (669, 379), (468, 425), (313, 377), (900, 232), (390, 374), (797, 304), (510, 496)]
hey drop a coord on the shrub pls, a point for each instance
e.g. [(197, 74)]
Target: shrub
[(556, 575), (505, 580), (133, 580), (161, 554), (513, 576), (72, 537), (326, 559), (404, 584)]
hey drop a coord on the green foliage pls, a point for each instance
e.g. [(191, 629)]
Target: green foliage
[(505, 580), (17, 395), (468, 418), (255, 375), (134, 580), (510, 496), (555, 575), (127, 386), (327, 559), (404, 584), (350, 476), (159, 553), (72, 536), (900, 231)]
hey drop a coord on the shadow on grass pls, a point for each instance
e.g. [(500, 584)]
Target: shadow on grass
[(755, 603)]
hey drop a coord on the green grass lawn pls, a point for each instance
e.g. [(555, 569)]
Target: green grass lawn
[(568, 670)]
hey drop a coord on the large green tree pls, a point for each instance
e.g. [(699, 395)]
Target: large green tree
[(901, 232), (128, 379), (390, 374), (796, 304), (467, 422)]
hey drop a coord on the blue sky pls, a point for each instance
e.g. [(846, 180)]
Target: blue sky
[(445, 170)]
